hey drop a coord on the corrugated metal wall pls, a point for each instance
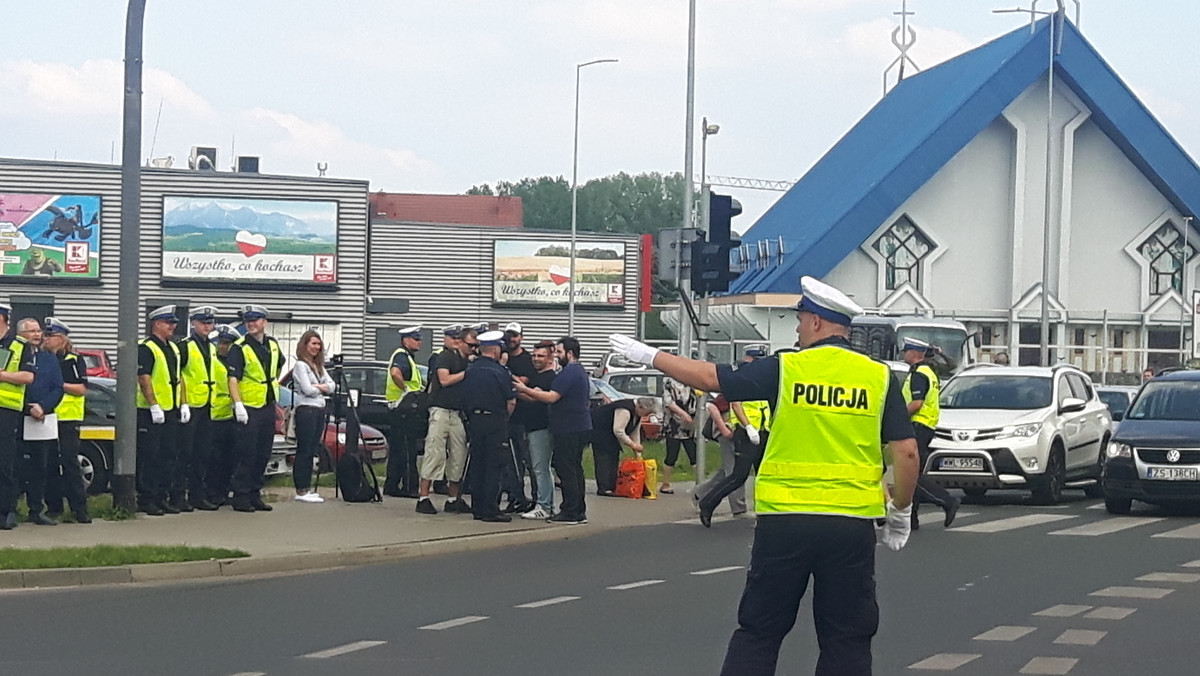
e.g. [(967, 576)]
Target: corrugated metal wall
[(92, 310), (445, 272)]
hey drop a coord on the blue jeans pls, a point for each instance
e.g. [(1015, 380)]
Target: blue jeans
[(541, 447)]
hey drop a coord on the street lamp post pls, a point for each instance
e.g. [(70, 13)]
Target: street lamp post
[(575, 197), (706, 130)]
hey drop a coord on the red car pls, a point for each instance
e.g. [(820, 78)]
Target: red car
[(370, 439), (98, 364)]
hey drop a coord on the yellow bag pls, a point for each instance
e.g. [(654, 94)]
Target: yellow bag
[(651, 491)]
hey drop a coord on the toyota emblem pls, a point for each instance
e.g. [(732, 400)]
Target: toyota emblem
[(962, 435), (1172, 455)]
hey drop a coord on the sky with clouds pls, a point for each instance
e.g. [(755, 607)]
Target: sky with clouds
[(439, 96)]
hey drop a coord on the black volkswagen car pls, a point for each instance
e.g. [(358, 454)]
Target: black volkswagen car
[(1155, 454)]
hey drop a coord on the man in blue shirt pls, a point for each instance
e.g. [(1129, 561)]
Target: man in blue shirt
[(488, 401), (41, 398), (570, 427)]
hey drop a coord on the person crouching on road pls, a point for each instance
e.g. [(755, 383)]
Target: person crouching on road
[(313, 384), (488, 400), (42, 398), (446, 442), (254, 365), (223, 451), (160, 364), (616, 424), (64, 476), (922, 393)]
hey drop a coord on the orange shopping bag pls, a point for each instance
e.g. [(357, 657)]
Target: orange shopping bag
[(631, 478)]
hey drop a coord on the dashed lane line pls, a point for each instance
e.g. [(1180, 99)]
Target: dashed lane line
[(342, 650), (944, 661), (1011, 523), (1080, 637), (456, 622), (1133, 592), (1063, 610), (548, 602), (1185, 533), (1191, 564), (635, 585), (1110, 613), (1185, 578), (1049, 666), (1005, 633), (1111, 525), (714, 571)]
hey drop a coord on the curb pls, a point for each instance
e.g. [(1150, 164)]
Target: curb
[(292, 563)]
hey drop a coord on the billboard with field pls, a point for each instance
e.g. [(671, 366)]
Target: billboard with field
[(538, 272)]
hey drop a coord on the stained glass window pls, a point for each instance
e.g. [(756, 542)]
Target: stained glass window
[(903, 247), (1166, 252)]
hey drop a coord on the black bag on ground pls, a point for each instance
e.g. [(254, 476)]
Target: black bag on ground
[(352, 472)]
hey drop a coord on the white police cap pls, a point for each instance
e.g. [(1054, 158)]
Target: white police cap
[(55, 325), (453, 331), (478, 328), (411, 331), (826, 302), (758, 350), (252, 312), (915, 344), (491, 338), (225, 332), (204, 313), (165, 313)]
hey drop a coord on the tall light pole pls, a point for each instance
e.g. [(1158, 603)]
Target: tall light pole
[(689, 144), (575, 196), (706, 130)]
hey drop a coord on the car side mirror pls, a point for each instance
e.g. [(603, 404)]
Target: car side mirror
[(977, 340), (1117, 416), (1072, 405)]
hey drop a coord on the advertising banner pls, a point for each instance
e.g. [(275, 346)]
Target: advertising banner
[(246, 240), (1195, 324), (49, 236), (538, 272)]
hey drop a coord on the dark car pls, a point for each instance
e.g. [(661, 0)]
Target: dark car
[(1154, 456), (369, 380), (1117, 398)]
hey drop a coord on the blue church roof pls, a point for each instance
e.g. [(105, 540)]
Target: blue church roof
[(923, 123)]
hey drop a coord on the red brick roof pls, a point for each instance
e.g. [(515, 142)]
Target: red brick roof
[(452, 209)]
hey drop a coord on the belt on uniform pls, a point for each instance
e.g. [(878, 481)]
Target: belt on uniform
[(480, 411)]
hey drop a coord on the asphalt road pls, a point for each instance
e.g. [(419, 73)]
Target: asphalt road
[(1009, 589)]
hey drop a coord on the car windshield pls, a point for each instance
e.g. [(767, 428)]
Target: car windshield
[(1017, 393), (1167, 400), (90, 361), (949, 339), (1116, 400), (636, 383), (607, 390)]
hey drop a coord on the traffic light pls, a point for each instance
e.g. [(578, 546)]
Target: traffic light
[(711, 268)]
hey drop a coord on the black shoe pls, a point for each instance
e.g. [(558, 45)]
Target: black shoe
[(257, 503), (425, 506), (9, 522), (243, 506), (563, 517), (951, 511), (81, 516), (518, 507), (706, 515), (494, 518), (182, 505), (204, 505), (168, 508), (42, 520), (151, 509), (457, 506)]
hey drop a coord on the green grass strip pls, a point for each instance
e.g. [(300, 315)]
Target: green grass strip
[(12, 558)]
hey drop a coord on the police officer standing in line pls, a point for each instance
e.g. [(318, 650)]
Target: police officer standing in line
[(160, 364), (223, 436), (403, 377), (64, 477), (818, 490), (254, 364), (42, 398), (188, 488), (16, 373), (922, 392), (488, 401)]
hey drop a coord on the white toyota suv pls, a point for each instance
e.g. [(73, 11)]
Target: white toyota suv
[(1022, 427)]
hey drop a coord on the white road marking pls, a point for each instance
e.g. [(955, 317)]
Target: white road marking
[(944, 661), (457, 622), (713, 571), (966, 515), (635, 585), (1011, 523), (1110, 613), (1111, 525), (548, 602), (1098, 505), (1191, 564), (1062, 611), (1005, 633), (1049, 665), (1080, 637), (343, 649), (1185, 533), (250, 673), (1133, 592), (1185, 578)]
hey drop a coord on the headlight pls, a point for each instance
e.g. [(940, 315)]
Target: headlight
[(1026, 430), (1119, 451)]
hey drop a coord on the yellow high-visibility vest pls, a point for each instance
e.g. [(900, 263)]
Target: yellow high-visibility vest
[(824, 455), (413, 384), (255, 377), (222, 402), (758, 414), (164, 382), (197, 376), (71, 406), (931, 410), (12, 396)]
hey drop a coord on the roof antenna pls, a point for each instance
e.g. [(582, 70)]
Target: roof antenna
[(157, 119), (903, 37)]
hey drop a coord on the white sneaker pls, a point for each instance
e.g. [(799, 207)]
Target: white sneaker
[(536, 513), (311, 496)]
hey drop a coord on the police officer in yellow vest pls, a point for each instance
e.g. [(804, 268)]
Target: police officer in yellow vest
[(254, 364), (64, 477), (16, 373), (922, 393), (818, 490), (160, 407), (404, 433), (188, 490), (224, 429)]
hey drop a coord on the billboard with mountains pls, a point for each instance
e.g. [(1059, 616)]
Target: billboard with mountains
[(249, 240)]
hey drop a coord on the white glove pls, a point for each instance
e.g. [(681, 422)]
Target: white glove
[(185, 413), (752, 434), (898, 526), (156, 415), (632, 349), (239, 412)]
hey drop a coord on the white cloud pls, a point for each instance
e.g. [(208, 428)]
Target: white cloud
[(93, 89), (1161, 106)]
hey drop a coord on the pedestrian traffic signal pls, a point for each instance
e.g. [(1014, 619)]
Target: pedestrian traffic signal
[(712, 271)]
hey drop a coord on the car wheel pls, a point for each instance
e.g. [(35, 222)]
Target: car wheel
[(975, 493), (1119, 506), (1096, 490), (94, 470), (1050, 487)]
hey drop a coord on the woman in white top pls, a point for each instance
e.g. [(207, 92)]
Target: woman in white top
[(312, 384)]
